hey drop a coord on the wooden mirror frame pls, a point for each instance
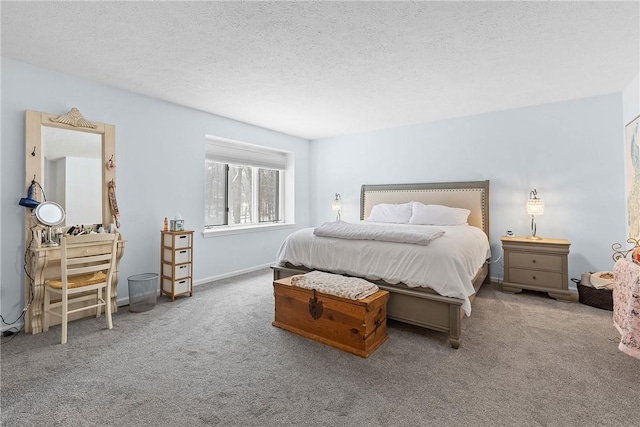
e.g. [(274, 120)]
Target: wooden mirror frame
[(43, 261), (34, 158)]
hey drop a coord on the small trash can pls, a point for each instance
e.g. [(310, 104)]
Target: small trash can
[(143, 292)]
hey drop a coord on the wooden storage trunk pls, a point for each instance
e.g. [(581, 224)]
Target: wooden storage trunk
[(355, 326)]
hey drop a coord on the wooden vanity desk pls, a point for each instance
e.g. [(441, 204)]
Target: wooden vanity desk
[(50, 138), (44, 264)]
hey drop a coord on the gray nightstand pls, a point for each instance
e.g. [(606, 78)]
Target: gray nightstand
[(537, 265)]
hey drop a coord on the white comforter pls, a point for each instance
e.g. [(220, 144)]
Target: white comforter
[(416, 234), (447, 264)]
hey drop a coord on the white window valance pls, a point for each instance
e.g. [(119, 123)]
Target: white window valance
[(243, 153)]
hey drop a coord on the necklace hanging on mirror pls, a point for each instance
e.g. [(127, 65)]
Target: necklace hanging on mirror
[(113, 203)]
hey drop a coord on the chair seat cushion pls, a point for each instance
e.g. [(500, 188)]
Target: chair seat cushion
[(79, 280)]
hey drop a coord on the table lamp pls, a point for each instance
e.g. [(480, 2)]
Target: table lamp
[(535, 207)]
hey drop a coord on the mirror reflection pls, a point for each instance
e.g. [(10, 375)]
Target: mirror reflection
[(73, 173)]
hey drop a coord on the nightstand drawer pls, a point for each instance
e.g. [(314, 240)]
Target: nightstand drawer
[(537, 261), (544, 279)]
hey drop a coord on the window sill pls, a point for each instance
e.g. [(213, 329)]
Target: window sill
[(242, 229)]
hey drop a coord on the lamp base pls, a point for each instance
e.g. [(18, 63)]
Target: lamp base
[(534, 237)]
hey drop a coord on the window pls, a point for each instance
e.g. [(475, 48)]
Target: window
[(245, 185)]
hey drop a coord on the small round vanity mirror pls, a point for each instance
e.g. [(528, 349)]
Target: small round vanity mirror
[(50, 213)]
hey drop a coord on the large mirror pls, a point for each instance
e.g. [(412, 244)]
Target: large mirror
[(73, 173), (68, 156)]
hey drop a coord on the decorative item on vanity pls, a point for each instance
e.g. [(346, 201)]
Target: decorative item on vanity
[(535, 206), (49, 214), (336, 205)]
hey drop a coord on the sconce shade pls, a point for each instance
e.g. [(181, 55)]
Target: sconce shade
[(336, 206), (29, 201), (535, 206)]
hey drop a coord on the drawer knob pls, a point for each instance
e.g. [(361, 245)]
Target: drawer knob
[(534, 277), (534, 261)]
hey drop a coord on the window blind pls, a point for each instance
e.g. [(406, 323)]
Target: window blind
[(242, 153)]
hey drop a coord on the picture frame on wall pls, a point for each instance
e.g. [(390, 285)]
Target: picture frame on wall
[(632, 166)]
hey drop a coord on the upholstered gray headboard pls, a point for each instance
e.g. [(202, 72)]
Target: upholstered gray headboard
[(472, 195)]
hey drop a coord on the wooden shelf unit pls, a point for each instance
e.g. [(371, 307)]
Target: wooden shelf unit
[(176, 263)]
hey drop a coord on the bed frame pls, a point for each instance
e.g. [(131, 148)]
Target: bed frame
[(423, 306)]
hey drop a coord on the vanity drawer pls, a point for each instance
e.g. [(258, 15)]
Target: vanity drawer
[(181, 240), (179, 271), (542, 279), (180, 286), (181, 255), (535, 260)]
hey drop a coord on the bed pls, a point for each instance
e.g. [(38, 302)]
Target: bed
[(412, 301)]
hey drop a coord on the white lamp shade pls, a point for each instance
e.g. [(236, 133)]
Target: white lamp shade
[(336, 205), (535, 207)]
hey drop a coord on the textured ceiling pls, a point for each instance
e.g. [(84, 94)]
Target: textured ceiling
[(321, 69)]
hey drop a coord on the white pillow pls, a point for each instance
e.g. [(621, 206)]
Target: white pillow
[(394, 213), (438, 215)]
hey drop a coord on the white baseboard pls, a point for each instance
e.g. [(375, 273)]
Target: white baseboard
[(125, 300), (497, 279), (231, 274)]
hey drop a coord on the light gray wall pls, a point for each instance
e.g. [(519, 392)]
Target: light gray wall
[(631, 100), (160, 171), (571, 152), (630, 110)]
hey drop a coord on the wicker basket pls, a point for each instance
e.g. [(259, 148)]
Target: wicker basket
[(598, 298)]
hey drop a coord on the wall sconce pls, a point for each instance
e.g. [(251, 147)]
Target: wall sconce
[(535, 207), (336, 205)]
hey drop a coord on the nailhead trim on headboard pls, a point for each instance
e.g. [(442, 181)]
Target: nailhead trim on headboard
[(474, 187)]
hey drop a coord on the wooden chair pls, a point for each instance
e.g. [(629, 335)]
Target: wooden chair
[(87, 263)]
